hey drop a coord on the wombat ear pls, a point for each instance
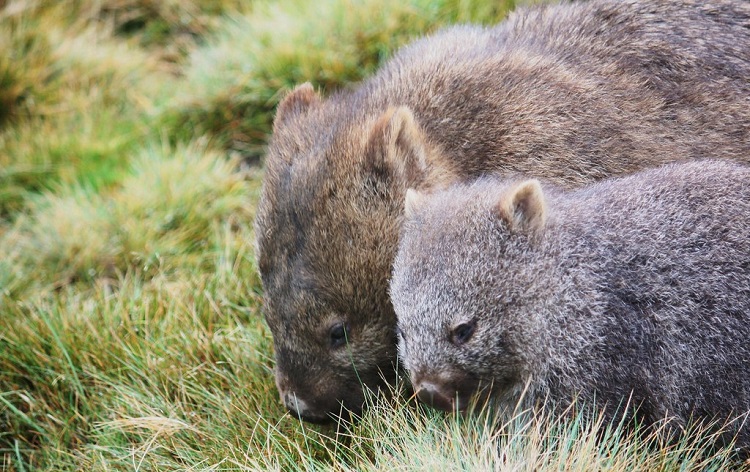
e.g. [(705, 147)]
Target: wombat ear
[(412, 203), (396, 144), (523, 207), (297, 101)]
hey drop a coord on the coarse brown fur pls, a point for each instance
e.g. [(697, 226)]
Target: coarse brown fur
[(572, 93), (634, 289)]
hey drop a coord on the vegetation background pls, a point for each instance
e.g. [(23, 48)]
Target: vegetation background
[(131, 338)]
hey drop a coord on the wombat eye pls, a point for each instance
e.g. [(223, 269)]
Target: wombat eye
[(462, 333), (338, 335)]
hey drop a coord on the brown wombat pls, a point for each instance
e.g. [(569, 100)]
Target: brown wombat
[(572, 93), (632, 289)]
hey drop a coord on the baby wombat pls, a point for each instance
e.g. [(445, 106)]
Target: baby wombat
[(633, 289), (573, 93)]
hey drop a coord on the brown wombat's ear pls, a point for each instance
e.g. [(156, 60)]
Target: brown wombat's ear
[(523, 207), (397, 145), (413, 201), (297, 101)]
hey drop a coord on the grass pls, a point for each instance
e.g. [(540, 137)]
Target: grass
[(233, 84), (396, 436), (131, 336), (77, 102)]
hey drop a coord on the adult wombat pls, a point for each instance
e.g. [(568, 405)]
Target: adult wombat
[(632, 289), (573, 93)]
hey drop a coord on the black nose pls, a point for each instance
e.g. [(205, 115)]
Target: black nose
[(291, 402), (302, 411), (311, 419), (435, 396)]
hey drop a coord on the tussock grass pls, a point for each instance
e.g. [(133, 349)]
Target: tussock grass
[(160, 220), (170, 23), (233, 84), (53, 64), (107, 342), (130, 329), (96, 379), (24, 65), (165, 23), (79, 148), (76, 102), (398, 434)]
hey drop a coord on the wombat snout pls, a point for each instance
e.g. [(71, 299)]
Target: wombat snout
[(446, 391), (300, 409), (436, 396), (306, 409)]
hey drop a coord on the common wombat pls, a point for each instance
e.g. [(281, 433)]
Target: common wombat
[(573, 93), (632, 289)]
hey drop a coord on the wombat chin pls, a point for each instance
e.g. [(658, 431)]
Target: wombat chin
[(349, 409)]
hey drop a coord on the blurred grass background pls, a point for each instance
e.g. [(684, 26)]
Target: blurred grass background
[(131, 338)]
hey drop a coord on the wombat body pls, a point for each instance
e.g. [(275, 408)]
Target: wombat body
[(572, 93), (634, 290)]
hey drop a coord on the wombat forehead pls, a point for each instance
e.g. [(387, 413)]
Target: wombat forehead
[(455, 210), (426, 301), (294, 207), (292, 347), (446, 241), (303, 196), (294, 300), (326, 135)]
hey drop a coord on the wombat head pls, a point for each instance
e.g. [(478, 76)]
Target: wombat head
[(463, 292), (326, 235)]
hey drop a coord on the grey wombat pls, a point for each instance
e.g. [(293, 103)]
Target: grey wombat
[(635, 288)]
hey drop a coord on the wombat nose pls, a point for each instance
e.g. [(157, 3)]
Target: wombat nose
[(434, 396), (302, 410), (294, 404)]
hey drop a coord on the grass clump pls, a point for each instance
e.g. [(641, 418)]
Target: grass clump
[(92, 381), (159, 220), (398, 436), (133, 315), (233, 84), (167, 24), (24, 66), (172, 24), (77, 102)]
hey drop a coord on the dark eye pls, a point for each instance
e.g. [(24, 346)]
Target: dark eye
[(337, 335), (462, 333)]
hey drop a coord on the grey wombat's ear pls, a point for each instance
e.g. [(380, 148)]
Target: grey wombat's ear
[(523, 207), (398, 146), (297, 101), (412, 203)]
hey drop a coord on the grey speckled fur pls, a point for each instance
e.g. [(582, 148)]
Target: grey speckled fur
[(638, 285), (573, 93)]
